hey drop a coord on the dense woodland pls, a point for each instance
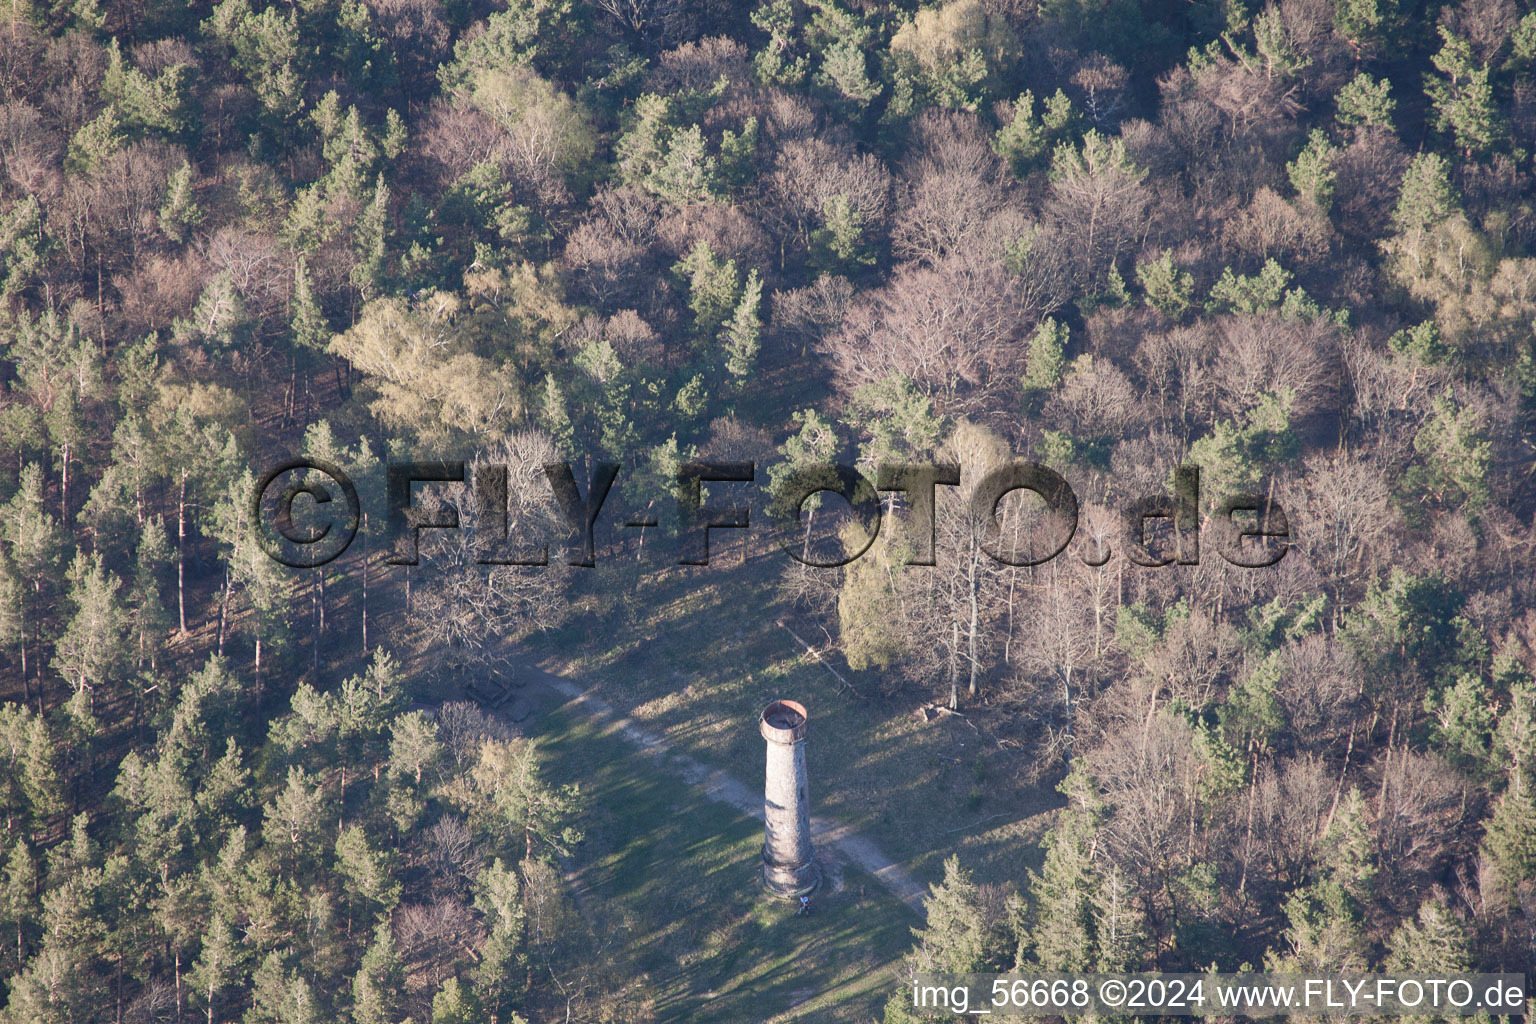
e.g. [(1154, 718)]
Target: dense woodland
[(1289, 243)]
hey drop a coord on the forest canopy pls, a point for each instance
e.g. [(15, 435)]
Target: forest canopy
[(1290, 242)]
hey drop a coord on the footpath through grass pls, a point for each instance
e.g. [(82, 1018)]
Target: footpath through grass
[(676, 874), (694, 655)]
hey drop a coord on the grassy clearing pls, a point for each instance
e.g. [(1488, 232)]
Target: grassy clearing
[(694, 654), (677, 874)]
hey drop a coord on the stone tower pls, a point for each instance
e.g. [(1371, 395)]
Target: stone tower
[(789, 869)]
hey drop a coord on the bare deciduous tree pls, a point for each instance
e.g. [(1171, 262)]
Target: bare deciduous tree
[(808, 173), (1349, 512), (950, 329), (1318, 690), (466, 597), (1420, 809), (952, 198), (1263, 352), (1290, 811)]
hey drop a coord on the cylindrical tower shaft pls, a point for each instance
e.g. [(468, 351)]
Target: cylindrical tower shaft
[(789, 867)]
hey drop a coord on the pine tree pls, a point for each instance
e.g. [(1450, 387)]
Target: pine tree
[(1026, 138), (809, 449), (1514, 740), (556, 417), (868, 610), (415, 756), (20, 907), (1457, 453), (149, 618), (898, 420), (56, 987), (30, 782), (415, 753), (498, 896), (1426, 197), (1250, 293), (308, 736), (368, 704), (713, 288), (311, 333), (96, 142), (293, 817), (1365, 102), (378, 987), (225, 791), (12, 620), (1314, 170), (1348, 849), (497, 978), (368, 872), (1367, 25), (250, 571), (1119, 926), (23, 244), (1167, 289), (609, 385), (307, 227), (654, 482), (686, 174), (741, 335), (1324, 934), (1272, 39), (396, 134), (162, 105), (280, 995), (524, 32), (94, 646), (955, 939), (639, 151), (36, 548), (839, 245), (220, 319), (1509, 842), (949, 55), (1463, 99), (1062, 895), (1046, 359), (1464, 721), (159, 795), (1435, 941), (116, 507), (180, 213), (219, 965), (195, 456), (455, 1003), (61, 367), (370, 238), (513, 794), (266, 47)]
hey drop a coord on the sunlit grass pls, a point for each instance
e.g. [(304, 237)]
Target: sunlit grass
[(678, 873)]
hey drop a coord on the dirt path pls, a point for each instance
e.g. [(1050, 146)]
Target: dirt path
[(721, 787)]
